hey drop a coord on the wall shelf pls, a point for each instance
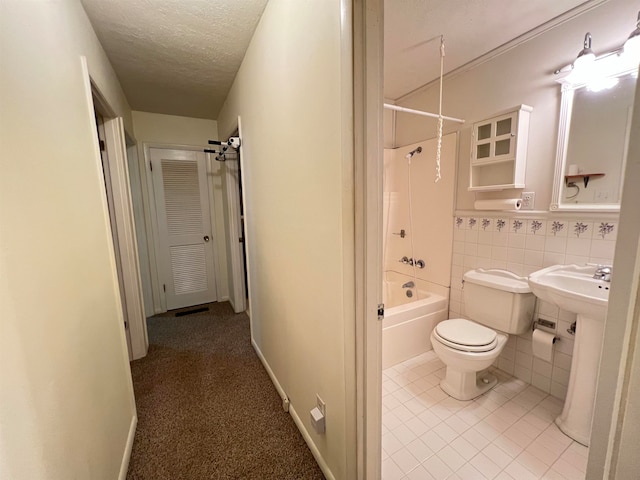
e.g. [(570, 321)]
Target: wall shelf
[(570, 179)]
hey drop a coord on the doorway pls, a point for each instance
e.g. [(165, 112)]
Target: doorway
[(237, 240), (106, 173), (184, 240), (111, 143)]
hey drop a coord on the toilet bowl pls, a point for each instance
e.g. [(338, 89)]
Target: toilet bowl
[(498, 303), (463, 361)]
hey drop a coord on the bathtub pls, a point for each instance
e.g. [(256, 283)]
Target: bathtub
[(408, 323)]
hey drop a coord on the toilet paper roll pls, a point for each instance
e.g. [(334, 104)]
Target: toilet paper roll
[(502, 204), (542, 345)]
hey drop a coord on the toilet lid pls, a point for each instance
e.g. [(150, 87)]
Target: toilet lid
[(464, 335)]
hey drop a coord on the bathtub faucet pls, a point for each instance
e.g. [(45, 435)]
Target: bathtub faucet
[(409, 284)]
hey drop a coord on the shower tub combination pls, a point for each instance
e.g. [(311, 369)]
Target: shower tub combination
[(408, 322)]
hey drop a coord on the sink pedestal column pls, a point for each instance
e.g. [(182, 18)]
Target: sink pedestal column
[(577, 414)]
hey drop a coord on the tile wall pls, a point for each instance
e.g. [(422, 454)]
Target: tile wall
[(523, 245)]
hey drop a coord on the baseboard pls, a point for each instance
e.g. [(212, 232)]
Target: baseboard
[(312, 446), (266, 366), (124, 467), (296, 419)]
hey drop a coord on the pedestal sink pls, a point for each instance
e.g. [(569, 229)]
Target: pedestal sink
[(573, 288)]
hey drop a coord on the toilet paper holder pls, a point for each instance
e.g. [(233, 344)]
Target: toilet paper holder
[(541, 322)]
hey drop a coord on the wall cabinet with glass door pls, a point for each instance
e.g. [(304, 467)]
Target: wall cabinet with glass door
[(499, 150)]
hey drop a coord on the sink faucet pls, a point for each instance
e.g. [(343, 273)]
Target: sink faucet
[(603, 272), (409, 284)]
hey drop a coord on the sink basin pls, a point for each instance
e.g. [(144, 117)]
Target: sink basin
[(572, 288)]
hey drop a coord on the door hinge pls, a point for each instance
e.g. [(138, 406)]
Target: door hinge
[(126, 325), (102, 149), (151, 166), (164, 287), (381, 311)]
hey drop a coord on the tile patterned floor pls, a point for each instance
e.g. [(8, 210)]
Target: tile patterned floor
[(507, 433)]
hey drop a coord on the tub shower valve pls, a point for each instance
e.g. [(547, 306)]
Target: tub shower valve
[(410, 261)]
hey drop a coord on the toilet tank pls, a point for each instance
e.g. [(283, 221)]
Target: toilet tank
[(499, 299)]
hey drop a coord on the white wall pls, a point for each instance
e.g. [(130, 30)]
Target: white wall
[(299, 209), (521, 75), (432, 205), (67, 403), (171, 129)]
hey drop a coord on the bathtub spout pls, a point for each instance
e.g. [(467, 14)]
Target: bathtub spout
[(409, 284)]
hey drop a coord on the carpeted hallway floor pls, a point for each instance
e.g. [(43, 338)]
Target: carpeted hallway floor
[(207, 408)]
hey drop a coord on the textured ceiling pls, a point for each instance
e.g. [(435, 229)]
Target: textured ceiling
[(180, 57), (175, 57), (471, 28)]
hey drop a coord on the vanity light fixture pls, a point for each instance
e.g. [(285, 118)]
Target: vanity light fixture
[(632, 45), (583, 66), (586, 57)]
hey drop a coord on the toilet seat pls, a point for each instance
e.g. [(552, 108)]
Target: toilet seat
[(466, 336)]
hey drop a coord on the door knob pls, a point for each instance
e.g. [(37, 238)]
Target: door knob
[(206, 238)]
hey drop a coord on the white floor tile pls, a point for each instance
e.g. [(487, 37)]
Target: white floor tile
[(459, 425), (451, 458), (419, 473), (417, 426), (437, 468), (532, 464), (446, 432), (434, 441), (567, 470), (497, 456), (539, 450), (391, 444), (475, 438), (420, 450), (391, 471), (466, 449), (405, 460), (507, 434), (405, 435), (391, 420), (576, 455), (469, 472), (485, 465)]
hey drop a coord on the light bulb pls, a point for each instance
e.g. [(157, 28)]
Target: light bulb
[(632, 45)]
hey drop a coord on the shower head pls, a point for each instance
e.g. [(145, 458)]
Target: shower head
[(413, 152)]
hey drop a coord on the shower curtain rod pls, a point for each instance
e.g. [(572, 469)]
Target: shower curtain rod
[(419, 112)]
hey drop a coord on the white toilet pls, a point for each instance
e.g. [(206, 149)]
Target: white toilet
[(498, 303)]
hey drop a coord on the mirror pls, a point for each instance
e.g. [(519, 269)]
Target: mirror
[(595, 122)]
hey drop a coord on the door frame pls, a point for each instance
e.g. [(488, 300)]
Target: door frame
[(151, 227), (239, 269), (368, 51), (115, 139)]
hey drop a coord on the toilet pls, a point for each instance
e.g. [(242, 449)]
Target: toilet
[(498, 303)]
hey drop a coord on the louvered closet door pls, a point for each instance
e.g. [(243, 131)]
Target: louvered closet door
[(185, 257)]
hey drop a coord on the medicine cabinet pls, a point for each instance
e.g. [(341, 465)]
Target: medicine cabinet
[(499, 150)]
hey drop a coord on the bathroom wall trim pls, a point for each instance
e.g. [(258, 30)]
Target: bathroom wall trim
[(536, 214)]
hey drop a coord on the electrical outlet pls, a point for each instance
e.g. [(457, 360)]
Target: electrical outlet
[(528, 200), (321, 405)]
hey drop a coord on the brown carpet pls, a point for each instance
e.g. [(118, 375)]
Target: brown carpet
[(207, 408)]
